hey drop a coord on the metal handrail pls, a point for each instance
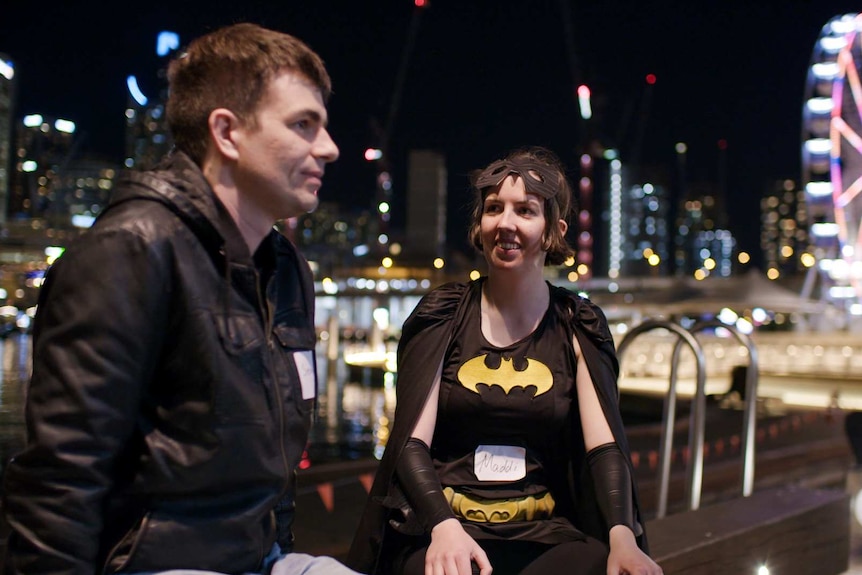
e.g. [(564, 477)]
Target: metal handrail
[(694, 469), (749, 419)]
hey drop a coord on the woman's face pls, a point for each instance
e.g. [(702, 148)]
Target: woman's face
[(512, 227)]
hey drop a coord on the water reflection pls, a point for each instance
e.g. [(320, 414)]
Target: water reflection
[(15, 351), (356, 397)]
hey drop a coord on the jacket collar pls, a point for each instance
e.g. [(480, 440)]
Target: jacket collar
[(178, 183)]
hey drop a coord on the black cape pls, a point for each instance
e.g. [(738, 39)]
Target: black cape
[(424, 339)]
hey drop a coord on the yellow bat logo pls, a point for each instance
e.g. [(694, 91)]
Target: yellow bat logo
[(537, 374)]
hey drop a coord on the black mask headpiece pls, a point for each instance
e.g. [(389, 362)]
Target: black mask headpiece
[(539, 178)]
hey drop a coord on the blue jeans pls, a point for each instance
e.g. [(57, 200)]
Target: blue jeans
[(278, 563)]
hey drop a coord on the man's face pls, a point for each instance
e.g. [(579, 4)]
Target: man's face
[(281, 160)]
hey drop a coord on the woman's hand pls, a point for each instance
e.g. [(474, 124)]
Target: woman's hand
[(626, 558), (451, 551)]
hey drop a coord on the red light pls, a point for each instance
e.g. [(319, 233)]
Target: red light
[(420, 3), (584, 102), (650, 79), (372, 154), (722, 144)]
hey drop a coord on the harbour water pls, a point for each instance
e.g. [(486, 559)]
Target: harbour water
[(15, 359)]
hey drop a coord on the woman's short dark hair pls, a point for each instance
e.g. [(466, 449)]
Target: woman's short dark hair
[(557, 206)]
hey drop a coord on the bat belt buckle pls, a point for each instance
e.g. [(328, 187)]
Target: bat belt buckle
[(478, 510)]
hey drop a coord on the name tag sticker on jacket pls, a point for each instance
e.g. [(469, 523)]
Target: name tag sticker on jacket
[(304, 361), (500, 463)]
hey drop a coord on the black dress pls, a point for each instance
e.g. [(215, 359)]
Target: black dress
[(388, 524), (503, 419)]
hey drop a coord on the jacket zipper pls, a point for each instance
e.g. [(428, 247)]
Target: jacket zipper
[(268, 314)]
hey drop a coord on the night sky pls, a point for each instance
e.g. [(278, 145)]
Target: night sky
[(480, 77)]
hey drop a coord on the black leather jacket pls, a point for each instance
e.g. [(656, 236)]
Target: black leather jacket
[(165, 416)]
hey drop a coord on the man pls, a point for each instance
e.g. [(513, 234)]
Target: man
[(173, 374)]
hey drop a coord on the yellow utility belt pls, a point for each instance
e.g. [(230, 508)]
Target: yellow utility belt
[(479, 510)]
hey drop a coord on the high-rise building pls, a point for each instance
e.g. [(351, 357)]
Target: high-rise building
[(594, 229), (591, 177), (55, 191), (645, 239), (7, 102), (147, 136), (334, 238), (704, 246), (638, 238), (784, 238), (711, 253), (43, 149), (425, 236), (80, 193)]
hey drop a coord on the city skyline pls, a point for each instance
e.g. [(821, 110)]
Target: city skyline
[(474, 80)]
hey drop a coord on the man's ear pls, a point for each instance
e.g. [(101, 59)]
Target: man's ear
[(223, 124)]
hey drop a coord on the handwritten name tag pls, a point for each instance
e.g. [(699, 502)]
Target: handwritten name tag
[(499, 463), (304, 361)]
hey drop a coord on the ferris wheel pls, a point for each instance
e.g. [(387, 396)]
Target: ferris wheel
[(832, 160)]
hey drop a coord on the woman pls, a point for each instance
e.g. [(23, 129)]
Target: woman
[(508, 449)]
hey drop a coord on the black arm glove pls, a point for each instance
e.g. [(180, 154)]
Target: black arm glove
[(613, 483), (418, 479)]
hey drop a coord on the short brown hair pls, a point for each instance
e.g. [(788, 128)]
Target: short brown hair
[(231, 68), (556, 207)]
